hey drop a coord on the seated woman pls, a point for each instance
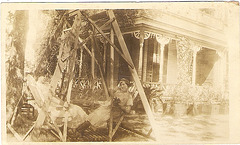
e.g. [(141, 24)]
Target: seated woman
[(122, 103), (122, 97)]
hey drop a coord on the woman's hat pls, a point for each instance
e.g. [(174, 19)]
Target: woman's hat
[(125, 80)]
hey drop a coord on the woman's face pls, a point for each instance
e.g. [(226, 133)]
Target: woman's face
[(123, 86)]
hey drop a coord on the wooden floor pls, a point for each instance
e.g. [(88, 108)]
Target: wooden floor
[(98, 135)]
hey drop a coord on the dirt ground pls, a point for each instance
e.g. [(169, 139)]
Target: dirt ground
[(185, 129)]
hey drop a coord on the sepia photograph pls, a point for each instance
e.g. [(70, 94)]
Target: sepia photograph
[(162, 72)]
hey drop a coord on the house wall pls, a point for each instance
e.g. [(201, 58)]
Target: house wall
[(172, 63), (207, 67), (149, 77)]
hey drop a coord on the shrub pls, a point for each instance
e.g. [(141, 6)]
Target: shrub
[(191, 94)]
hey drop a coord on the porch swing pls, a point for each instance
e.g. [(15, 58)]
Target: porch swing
[(65, 70)]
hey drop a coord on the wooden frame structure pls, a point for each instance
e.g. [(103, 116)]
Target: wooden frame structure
[(65, 70)]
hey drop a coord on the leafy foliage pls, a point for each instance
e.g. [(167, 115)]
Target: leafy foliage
[(50, 43), (126, 17), (189, 93), (16, 41)]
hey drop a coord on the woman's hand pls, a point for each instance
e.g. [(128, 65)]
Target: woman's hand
[(116, 101), (126, 109)]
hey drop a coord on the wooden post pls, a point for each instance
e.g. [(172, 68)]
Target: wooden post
[(118, 124), (80, 63), (29, 131), (134, 75), (138, 132), (145, 53), (75, 28), (104, 57), (92, 59), (111, 60), (111, 82), (19, 138), (15, 111)]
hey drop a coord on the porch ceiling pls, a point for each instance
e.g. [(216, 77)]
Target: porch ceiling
[(203, 35)]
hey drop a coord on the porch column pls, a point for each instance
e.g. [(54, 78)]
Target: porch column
[(145, 54), (162, 40), (195, 48), (141, 35), (140, 60)]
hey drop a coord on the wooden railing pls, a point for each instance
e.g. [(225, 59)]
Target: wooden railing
[(83, 83), (158, 85)]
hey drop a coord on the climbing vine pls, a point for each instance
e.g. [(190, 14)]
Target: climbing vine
[(184, 61)]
